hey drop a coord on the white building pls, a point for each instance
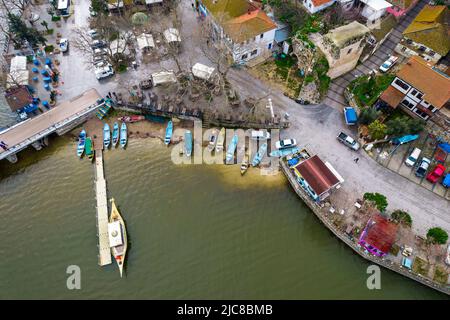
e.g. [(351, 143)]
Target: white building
[(374, 9), (314, 6), (241, 26)]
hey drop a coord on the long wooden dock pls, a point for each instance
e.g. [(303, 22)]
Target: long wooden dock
[(104, 256)]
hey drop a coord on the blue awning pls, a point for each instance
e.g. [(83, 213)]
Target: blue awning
[(282, 35)]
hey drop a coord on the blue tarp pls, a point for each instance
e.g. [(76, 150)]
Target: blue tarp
[(405, 139), (350, 115), (406, 262), (446, 181), (445, 147)]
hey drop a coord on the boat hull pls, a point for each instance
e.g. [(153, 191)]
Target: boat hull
[(169, 130), (119, 254), (115, 134), (259, 155), (81, 143), (106, 136), (123, 135)]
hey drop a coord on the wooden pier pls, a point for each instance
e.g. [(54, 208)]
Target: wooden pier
[(104, 256)]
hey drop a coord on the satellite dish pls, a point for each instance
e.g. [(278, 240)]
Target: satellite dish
[(114, 233)]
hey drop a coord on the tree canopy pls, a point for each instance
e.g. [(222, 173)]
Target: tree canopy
[(22, 33), (437, 236)]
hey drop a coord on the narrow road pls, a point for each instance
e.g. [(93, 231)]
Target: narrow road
[(335, 96)]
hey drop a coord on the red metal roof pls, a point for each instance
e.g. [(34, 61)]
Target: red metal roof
[(380, 233), (317, 174)]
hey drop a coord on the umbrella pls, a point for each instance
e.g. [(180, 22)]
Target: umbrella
[(139, 18)]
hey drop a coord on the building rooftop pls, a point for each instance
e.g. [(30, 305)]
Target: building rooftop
[(431, 28), (317, 174), (342, 35), (434, 85), (392, 96), (380, 233), (248, 25), (377, 4), (318, 3), (18, 97), (224, 10)]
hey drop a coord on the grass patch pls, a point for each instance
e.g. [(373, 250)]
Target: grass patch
[(49, 48), (122, 68), (394, 250), (420, 266), (56, 18), (440, 275), (367, 89)]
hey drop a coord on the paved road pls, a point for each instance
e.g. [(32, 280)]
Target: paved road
[(335, 94), (317, 126)]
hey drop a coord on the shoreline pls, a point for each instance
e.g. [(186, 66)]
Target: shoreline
[(368, 257)]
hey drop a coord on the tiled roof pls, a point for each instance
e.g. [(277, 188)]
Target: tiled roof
[(392, 96), (248, 25), (341, 35), (434, 85), (224, 10), (317, 174), (318, 3), (380, 233), (431, 29)]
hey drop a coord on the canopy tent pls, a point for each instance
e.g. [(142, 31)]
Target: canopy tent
[(119, 46), (172, 35), (202, 71), (163, 77), (145, 41), (139, 18), (18, 63)]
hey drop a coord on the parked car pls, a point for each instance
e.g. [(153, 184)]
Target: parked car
[(446, 181), (260, 135), (98, 44), (100, 52), (64, 44), (423, 167), (104, 72), (437, 172), (286, 143), (412, 159), (348, 141), (101, 64), (92, 33), (350, 116), (388, 63)]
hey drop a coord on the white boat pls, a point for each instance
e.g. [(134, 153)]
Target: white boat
[(117, 237), (220, 140)]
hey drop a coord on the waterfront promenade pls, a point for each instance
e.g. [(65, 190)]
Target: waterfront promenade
[(59, 119)]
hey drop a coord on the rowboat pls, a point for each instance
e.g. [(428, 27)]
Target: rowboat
[(188, 143), (89, 148), (123, 135), (115, 134), (284, 152), (220, 140), (106, 136), (169, 131), (81, 143), (117, 235), (259, 155), (244, 164), (231, 149), (132, 118), (212, 140)]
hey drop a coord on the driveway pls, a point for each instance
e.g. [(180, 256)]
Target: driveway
[(317, 126)]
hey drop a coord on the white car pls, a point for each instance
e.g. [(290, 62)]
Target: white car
[(104, 72), (388, 63), (92, 33), (286, 143), (64, 45), (260, 135)]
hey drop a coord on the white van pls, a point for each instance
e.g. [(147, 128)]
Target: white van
[(412, 159), (104, 72)]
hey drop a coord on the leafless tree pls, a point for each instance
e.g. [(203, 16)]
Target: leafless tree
[(10, 6)]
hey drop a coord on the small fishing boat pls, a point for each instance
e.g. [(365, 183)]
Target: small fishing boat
[(259, 155), (132, 118), (89, 148), (106, 136), (231, 149), (123, 135), (169, 131), (284, 152), (244, 164), (117, 235), (212, 140), (115, 134), (188, 143), (81, 143), (220, 140)]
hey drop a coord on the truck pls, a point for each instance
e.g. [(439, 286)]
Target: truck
[(348, 141)]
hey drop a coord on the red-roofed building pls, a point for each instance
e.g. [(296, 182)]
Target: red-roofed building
[(317, 178), (379, 235), (314, 6)]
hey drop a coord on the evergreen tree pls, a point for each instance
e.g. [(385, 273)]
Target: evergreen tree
[(22, 33)]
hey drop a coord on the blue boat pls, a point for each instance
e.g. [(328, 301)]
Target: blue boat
[(115, 134), (350, 116), (259, 155), (169, 131), (231, 149), (123, 135), (106, 136), (81, 143), (188, 143), (284, 152)]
